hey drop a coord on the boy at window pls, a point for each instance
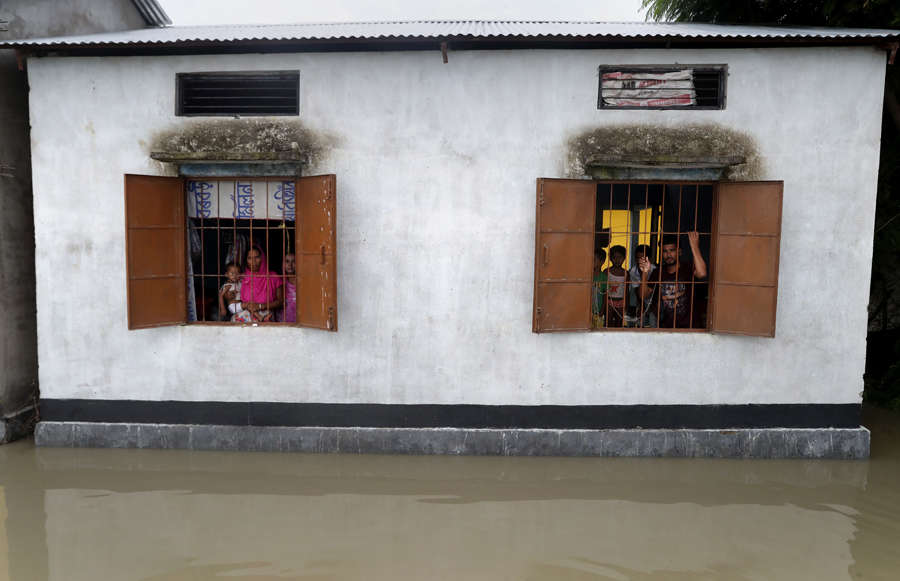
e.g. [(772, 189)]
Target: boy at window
[(598, 291), (676, 293), (616, 296)]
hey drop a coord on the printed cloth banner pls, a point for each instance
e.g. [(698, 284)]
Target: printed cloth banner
[(242, 199), (648, 89)]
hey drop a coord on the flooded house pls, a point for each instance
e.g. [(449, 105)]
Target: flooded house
[(536, 238)]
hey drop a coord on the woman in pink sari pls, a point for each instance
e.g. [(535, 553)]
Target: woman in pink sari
[(261, 289)]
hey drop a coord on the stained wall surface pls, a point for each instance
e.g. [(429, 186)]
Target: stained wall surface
[(436, 166), (30, 18)]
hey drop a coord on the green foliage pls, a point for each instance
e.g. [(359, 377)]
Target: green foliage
[(858, 13), (883, 375)]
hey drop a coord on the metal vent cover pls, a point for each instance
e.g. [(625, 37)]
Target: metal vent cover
[(238, 94), (662, 87)]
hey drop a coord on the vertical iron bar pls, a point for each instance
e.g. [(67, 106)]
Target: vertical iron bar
[(693, 278), (296, 245), (202, 260), (268, 255), (219, 268), (608, 252), (234, 239), (284, 254), (661, 239), (625, 285), (678, 256), (252, 216), (649, 226)]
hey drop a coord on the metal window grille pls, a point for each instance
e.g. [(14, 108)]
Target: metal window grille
[(662, 87), (654, 216), (238, 93), (226, 219)]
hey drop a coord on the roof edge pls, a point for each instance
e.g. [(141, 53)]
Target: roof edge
[(240, 38)]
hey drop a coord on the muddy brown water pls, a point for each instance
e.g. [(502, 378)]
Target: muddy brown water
[(156, 515)]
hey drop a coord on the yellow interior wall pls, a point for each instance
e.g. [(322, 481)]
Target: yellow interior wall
[(619, 224)]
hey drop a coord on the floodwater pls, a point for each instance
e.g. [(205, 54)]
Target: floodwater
[(154, 515)]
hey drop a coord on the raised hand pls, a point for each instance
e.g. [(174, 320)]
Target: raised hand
[(699, 263), (694, 240), (644, 264)]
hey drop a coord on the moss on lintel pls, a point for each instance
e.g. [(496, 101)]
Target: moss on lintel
[(227, 156), (249, 140), (689, 147), (687, 162)]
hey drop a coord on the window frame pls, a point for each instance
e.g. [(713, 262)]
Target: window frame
[(722, 69), (156, 204), (743, 215), (709, 262), (179, 92)]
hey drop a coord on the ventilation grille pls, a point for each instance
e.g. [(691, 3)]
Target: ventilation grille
[(238, 94), (662, 87)]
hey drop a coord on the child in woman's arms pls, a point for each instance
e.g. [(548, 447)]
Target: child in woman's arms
[(230, 295)]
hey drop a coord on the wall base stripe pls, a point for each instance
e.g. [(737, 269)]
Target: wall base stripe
[(589, 417)]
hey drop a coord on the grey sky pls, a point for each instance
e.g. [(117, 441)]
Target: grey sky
[(185, 12)]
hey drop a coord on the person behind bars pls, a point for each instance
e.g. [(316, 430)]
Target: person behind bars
[(675, 297), (261, 289), (598, 289), (288, 314), (616, 296)]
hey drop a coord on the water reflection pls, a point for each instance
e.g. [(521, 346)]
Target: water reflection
[(162, 515)]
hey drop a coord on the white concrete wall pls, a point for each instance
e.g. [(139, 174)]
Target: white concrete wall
[(18, 329), (436, 169)]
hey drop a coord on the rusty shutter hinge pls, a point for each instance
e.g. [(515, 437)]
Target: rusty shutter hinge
[(330, 318), (541, 198)]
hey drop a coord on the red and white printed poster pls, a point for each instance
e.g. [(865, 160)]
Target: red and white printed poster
[(619, 89)]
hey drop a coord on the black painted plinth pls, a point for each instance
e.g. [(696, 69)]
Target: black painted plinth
[(342, 415)]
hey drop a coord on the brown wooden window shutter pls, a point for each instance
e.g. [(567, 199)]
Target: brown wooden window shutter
[(317, 252), (156, 251), (563, 258), (745, 265)]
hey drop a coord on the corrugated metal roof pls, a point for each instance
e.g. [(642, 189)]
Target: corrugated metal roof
[(152, 13), (452, 29)]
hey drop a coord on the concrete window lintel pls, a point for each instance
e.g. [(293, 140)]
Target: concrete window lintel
[(682, 169)]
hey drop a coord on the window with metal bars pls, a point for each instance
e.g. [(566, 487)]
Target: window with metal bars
[(235, 250), (238, 93), (242, 265), (662, 87), (667, 227), (667, 256)]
